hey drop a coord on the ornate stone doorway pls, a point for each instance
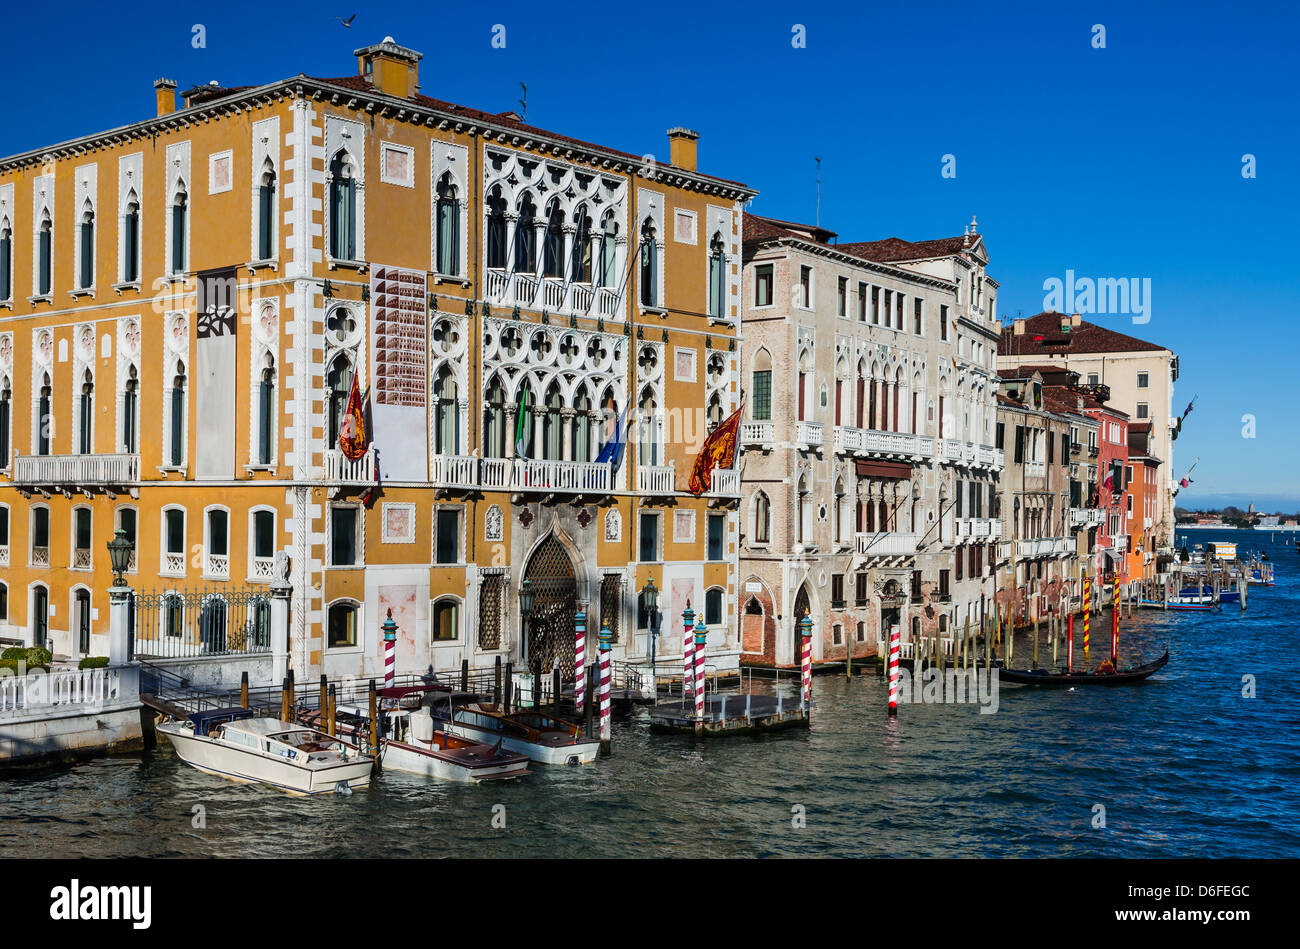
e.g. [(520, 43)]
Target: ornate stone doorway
[(555, 593)]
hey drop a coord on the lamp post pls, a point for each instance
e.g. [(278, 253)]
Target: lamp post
[(650, 604), (525, 611), (119, 600)]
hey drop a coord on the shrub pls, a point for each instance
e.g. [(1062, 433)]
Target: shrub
[(39, 656), (93, 662), (14, 652), (12, 665)]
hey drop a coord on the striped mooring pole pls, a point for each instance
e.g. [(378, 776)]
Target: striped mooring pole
[(606, 640), (701, 633), (893, 669), (1114, 623), (805, 663), (390, 650), (1069, 647), (579, 659), (1087, 615), (688, 650)]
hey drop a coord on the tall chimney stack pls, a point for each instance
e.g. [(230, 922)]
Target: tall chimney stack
[(682, 147), (165, 93), (390, 68)]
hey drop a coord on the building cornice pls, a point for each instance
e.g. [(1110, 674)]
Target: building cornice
[(829, 251)]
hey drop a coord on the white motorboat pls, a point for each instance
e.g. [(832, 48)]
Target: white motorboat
[(232, 744), (415, 746), (543, 738)]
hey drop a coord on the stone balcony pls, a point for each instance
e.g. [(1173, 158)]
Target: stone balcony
[(808, 434), (67, 473), (1081, 517), (759, 434), (1035, 469), (454, 472), (657, 479), (868, 442), (978, 528), (1044, 547), (886, 545), (552, 294)]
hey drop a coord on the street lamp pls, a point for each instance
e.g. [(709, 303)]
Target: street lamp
[(525, 610), (119, 555), (650, 606)]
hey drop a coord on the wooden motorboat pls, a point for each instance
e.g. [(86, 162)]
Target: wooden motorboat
[(415, 746), (232, 744), (1046, 678), (543, 738)]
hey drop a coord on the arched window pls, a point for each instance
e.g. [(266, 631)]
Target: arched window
[(805, 511), (446, 620), (131, 412), (526, 236), (173, 541), (761, 387), (81, 538), (609, 420), (173, 610), (216, 542), (446, 420), (580, 272), (131, 239), (40, 615), (343, 208), (553, 257), (860, 395), (86, 248), (266, 412), (608, 255), (496, 229), (176, 419), (841, 511), (40, 539), (525, 408), (343, 622), (214, 623), (762, 518), (6, 260), (127, 518), (804, 383), (6, 417), (448, 227), (81, 616), (86, 421), (494, 424), (553, 424), (44, 250), (44, 420), (266, 212), (714, 413), (648, 444), (180, 216), (649, 264), (713, 607), (717, 277), (582, 426), (338, 384)]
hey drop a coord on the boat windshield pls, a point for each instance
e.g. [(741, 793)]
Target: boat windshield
[(307, 741)]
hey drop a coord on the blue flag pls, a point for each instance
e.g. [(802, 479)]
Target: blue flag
[(612, 452)]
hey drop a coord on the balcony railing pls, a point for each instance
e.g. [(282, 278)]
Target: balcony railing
[(1085, 516), (173, 565), (453, 471), (262, 568), (1045, 547), (657, 479), (756, 433), (887, 444), (553, 294), (4, 556), (79, 470), (978, 528), (40, 556), (339, 469), (81, 559), (886, 544), (217, 566), (726, 482), (533, 475), (1035, 469), (808, 434)]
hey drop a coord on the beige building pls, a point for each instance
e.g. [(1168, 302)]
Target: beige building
[(868, 464)]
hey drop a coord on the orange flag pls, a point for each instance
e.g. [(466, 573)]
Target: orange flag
[(719, 451), (352, 432)]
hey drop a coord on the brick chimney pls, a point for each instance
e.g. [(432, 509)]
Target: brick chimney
[(682, 148), (164, 91), (391, 69)]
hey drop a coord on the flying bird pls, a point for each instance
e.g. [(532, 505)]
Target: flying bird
[(348, 22)]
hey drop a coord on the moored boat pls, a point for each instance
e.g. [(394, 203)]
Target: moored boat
[(1181, 603), (543, 738), (232, 744), (416, 747), (1116, 677)]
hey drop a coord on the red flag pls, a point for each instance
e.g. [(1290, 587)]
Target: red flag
[(719, 451), (352, 431)]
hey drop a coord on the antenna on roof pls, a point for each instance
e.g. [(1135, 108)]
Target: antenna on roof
[(818, 159), (523, 103)]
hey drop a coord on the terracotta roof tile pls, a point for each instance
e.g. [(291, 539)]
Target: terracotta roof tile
[(1084, 338)]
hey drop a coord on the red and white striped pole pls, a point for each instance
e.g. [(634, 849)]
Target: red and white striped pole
[(701, 634), (1087, 615), (1114, 623), (805, 663), (390, 651), (579, 660), (1069, 647), (688, 651), (893, 669), (606, 640)]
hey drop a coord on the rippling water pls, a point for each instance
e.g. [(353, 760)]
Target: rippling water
[(1183, 765)]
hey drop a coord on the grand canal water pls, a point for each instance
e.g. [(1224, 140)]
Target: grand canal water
[(1183, 765)]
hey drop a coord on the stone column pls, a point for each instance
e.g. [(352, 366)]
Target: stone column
[(119, 624), (281, 592)]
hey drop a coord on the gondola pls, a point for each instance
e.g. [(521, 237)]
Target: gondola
[(1043, 677)]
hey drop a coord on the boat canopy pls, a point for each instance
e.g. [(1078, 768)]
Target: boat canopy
[(207, 718)]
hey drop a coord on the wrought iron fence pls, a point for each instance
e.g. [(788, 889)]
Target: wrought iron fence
[(176, 624)]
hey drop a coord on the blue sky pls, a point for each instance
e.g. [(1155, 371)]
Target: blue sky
[(1116, 162)]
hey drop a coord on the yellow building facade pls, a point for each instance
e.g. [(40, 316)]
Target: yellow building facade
[(188, 299)]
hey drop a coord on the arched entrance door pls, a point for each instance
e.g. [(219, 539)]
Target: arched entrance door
[(751, 634), (800, 608), (555, 594), (40, 616)]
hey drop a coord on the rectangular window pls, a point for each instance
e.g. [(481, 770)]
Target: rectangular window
[(1000, 436), (1065, 449), (1093, 379), (916, 586), (4, 527), (263, 534), (175, 531), (875, 305), (763, 395), (1020, 443), (862, 302), (649, 538), (957, 562), (842, 298), (763, 285), (943, 583), (860, 589), (1143, 380), (343, 536), (837, 591), (717, 534), (1050, 448), (218, 534), (943, 321), (448, 539), (916, 316), (1143, 411), (805, 286)]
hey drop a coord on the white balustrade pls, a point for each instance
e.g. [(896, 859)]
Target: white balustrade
[(886, 544), (40, 556), (73, 687), (76, 469), (339, 469), (756, 433), (4, 556), (453, 471), (726, 481), (808, 433), (263, 568), (657, 479), (217, 566)]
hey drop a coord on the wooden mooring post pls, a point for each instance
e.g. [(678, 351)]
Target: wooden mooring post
[(331, 711), (243, 689), (555, 690), (464, 675), (496, 686), (507, 694), (374, 721), (324, 696), (284, 700)]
